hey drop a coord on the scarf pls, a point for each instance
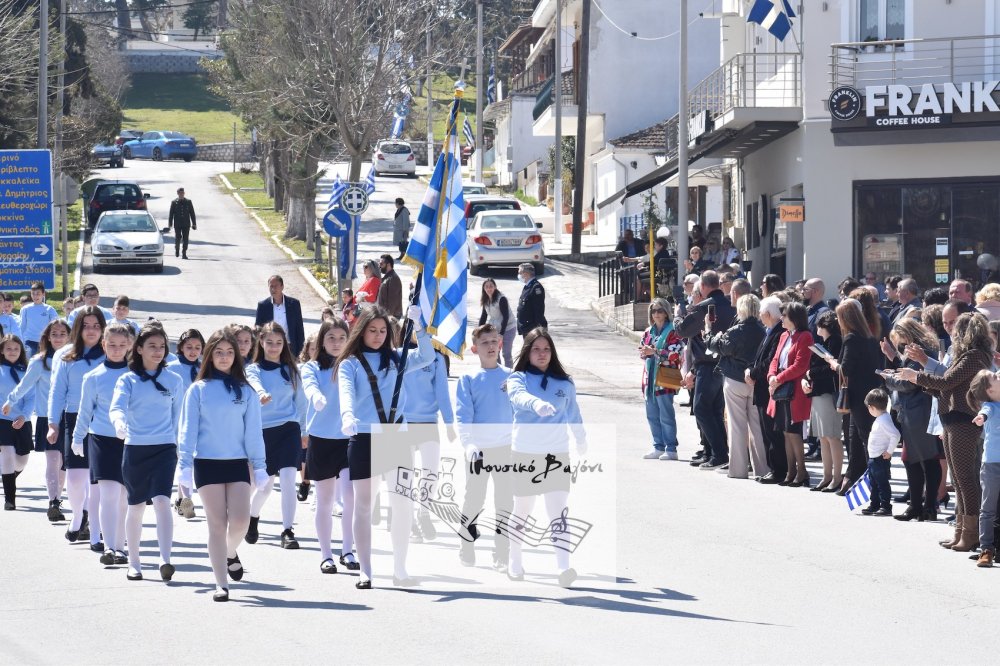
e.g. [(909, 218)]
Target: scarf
[(146, 377), (657, 340), (115, 366), (532, 370), (227, 380), (14, 369), (270, 365), (384, 357), (194, 365), (95, 353)]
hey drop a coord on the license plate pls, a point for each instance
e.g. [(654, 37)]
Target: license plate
[(185, 145), (509, 242), (128, 255)]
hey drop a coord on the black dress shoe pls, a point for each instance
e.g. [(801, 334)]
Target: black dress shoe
[(351, 566), (221, 595), (288, 541), (237, 573), (167, 571), (252, 534), (134, 576), (97, 547), (303, 493), (363, 585), (769, 479), (327, 566)]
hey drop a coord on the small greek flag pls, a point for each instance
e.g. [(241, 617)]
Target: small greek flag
[(339, 187), (370, 181), (773, 16), (859, 493), (491, 86), (438, 247), (470, 136)]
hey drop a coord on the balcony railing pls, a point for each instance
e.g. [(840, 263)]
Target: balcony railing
[(914, 62), (749, 80), (546, 96)]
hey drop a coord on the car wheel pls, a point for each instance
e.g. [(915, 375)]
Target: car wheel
[(158, 269), (157, 154), (539, 267), (127, 153), (188, 159), (98, 269), (474, 270)]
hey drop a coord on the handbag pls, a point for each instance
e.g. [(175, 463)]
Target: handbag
[(843, 398), (668, 378), (784, 392)]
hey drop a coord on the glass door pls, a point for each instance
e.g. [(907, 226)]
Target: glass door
[(976, 231)]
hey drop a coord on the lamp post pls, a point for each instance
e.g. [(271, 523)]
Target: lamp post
[(557, 89), (682, 147)]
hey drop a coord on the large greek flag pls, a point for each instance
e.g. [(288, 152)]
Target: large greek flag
[(859, 493), (491, 86), (438, 247), (339, 187), (773, 16), (470, 136)]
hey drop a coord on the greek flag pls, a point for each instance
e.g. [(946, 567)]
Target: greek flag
[(859, 493), (399, 117), (470, 136), (491, 85), (339, 187), (773, 16), (438, 247), (370, 181)]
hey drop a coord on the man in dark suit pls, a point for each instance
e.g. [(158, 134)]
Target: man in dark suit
[(284, 310), (182, 219), (531, 305)]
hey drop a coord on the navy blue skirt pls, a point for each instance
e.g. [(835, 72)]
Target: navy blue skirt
[(70, 459), (148, 471), (106, 458), (41, 431), (20, 439), (325, 458), (209, 472), (282, 447)]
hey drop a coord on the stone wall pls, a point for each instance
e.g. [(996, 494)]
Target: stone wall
[(159, 62), (223, 152)]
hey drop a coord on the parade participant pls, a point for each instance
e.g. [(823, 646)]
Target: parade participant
[(283, 309), (369, 362), (35, 316), (308, 349), (274, 375), (542, 394), (83, 354), (186, 366), (326, 457), (9, 322), (121, 311), (93, 423), (484, 417), (15, 423), (181, 217), (245, 339), (36, 379), (145, 410), (90, 296), (220, 440), (496, 312)]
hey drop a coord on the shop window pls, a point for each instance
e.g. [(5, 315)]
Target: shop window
[(880, 20)]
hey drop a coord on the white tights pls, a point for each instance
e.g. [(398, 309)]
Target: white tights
[(114, 504), (555, 503), (164, 530), (430, 467), (286, 477), (10, 462), (402, 522), (77, 490), (327, 491), (55, 477), (227, 510)]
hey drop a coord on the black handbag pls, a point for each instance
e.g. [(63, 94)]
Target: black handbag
[(784, 393)]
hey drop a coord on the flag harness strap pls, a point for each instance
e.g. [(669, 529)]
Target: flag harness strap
[(377, 396)]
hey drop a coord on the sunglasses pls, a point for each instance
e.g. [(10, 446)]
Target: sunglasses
[(658, 311)]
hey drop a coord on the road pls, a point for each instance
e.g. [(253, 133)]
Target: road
[(700, 568)]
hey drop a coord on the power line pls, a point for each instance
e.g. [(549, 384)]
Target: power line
[(139, 11), (634, 35), (146, 32)]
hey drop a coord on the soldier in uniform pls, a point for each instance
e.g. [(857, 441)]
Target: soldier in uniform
[(531, 306), (182, 217)]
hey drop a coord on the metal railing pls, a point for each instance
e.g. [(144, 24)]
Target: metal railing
[(914, 62), (749, 80)]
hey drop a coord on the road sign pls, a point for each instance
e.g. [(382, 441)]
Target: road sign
[(355, 200), (26, 242), (337, 223)]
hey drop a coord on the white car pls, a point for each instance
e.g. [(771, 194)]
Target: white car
[(473, 188), (127, 238), (393, 156), (504, 238)]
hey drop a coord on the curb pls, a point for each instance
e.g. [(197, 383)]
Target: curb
[(314, 283), (614, 325)]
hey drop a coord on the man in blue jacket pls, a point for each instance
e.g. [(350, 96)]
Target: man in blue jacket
[(284, 310)]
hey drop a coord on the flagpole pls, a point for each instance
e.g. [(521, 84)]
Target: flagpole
[(478, 153), (682, 147), (407, 334)]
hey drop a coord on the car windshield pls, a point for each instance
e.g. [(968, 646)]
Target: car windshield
[(117, 191), (119, 223), (395, 148), (102, 146), (474, 189), (505, 222), (493, 205), (174, 135)]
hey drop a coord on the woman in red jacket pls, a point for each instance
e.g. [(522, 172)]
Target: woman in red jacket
[(789, 365)]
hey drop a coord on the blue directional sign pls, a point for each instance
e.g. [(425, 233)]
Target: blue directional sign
[(26, 234), (337, 223)]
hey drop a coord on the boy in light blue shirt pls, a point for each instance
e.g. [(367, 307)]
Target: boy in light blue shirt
[(985, 389)]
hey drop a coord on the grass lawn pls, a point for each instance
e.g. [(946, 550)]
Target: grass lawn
[(442, 92), (182, 103)]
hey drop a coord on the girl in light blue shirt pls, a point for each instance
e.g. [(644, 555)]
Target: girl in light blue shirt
[(35, 317), (186, 366), (15, 424)]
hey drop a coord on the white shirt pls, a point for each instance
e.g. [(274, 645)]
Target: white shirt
[(280, 315), (883, 437)]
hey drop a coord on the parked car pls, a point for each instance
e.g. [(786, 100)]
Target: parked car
[(115, 195), (393, 156), (504, 238), (473, 188), (476, 203), (109, 154), (127, 238), (161, 146), (127, 135)]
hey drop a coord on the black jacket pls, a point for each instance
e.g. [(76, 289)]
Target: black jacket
[(692, 323), (737, 347), (860, 358), (293, 313), (182, 214), (531, 308), (761, 363), (821, 375)]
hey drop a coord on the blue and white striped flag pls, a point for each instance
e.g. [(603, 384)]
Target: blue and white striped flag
[(859, 493), (491, 86), (470, 136), (399, 117), (336, 192), (773, 16), (370, 181), (349, 251), (438, 247)]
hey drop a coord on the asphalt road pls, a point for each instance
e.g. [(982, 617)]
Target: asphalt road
[(705, 569)]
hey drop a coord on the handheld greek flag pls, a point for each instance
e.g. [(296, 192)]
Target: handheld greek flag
[(470, 136), (339, 187), (370, 181), (773, 16), (859, 493), (399, 117), (438, 247), (491, 86)]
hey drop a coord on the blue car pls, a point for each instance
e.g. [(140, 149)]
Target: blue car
[(161, 146)]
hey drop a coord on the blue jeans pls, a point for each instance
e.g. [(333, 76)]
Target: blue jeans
[(662, 421), (878, 473)]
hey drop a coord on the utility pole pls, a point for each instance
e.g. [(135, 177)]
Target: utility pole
[(581, 128), (478, 155), (557, 88), (682, 148), (61, 200), (430, 99), (43, 79)]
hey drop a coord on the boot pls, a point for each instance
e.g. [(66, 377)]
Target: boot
[(970, 534), (986, 558), (9, 490), (948, 543)]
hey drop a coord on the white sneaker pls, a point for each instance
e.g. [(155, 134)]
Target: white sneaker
[(338, 509), (668, 455), (652, 455)]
